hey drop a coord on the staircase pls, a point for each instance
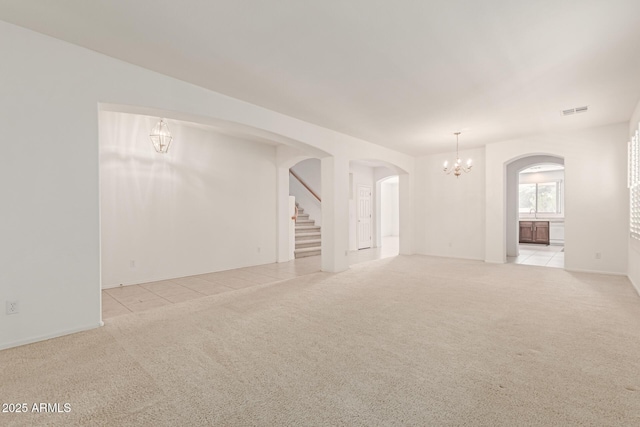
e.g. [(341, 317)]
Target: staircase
[(307, 236)]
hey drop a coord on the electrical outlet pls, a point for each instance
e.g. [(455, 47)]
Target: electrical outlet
[(598, 255), (13, 307), (132, 263)]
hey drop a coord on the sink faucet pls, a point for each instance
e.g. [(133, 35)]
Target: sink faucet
[(534, 212)]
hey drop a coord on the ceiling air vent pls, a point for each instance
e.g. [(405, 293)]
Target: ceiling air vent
[(576, 110)]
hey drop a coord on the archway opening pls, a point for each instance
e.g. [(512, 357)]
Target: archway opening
[(305, 190), (374, 210), (171, 224), (535, 215)]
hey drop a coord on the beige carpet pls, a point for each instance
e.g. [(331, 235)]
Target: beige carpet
[(400, 341)]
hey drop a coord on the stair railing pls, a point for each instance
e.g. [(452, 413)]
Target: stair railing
[(304, 184)]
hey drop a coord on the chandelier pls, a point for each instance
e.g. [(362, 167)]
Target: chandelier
[(457, 168), (161, 137)]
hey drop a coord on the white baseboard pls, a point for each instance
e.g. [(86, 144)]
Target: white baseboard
[(447, 256), (609, 273), (49, 336)]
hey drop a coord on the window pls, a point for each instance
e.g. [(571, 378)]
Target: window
[(527, 198), (634, 186), (543, 197)]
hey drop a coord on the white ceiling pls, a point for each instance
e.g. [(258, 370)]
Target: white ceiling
[(403, 74)]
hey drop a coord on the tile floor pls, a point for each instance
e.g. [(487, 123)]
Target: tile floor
[(545, 256), (146, 296)]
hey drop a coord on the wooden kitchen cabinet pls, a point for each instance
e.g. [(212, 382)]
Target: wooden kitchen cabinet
[(534, 232)]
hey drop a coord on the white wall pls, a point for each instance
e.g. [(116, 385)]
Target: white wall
[(207, 205), (50, 225), (633, 244), (450, 211), (291, 247), (309, 171), (596, 198), (390, 208)]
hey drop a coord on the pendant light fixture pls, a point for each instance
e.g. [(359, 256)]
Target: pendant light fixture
[(457, 168), (161, 137)]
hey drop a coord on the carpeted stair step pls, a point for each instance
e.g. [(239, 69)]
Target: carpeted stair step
[(308, 236), (309, 243), (307, 228)]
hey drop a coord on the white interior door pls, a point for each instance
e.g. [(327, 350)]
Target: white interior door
[(364, 216)]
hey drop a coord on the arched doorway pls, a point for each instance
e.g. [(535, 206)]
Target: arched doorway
[(305, 178), (389, 186), (514, 214)]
